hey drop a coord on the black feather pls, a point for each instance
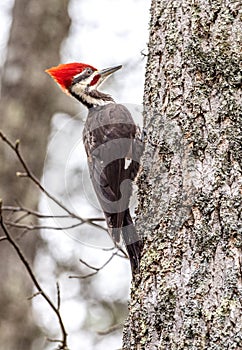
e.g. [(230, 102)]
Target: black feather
[(110, 137)]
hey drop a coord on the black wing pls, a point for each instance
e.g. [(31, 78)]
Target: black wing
[(110, 139)]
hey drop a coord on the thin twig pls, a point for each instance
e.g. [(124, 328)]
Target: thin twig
[(58, 296), (34, 279), (86, 264), (21, 217), (34, 295), (96, 269), (42, 227), (41, 215), (110, 329), (33, 212), (85, 276)]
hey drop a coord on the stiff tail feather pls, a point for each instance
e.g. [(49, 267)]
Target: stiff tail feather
[(132, 242)]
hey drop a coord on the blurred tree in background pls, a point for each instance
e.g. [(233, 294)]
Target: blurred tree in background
[(37, 31)]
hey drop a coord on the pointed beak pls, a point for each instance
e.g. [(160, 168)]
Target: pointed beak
[(107, 71)]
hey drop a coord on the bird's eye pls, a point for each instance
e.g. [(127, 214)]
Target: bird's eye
[(89, 71)]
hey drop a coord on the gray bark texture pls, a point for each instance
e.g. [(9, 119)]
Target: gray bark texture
[(27, 105), (188, 293)]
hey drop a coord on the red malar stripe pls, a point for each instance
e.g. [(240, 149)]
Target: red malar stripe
[(95, 79)]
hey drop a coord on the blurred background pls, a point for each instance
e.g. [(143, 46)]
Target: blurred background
[(34, 36)]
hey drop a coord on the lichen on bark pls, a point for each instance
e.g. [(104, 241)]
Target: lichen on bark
[(188, 294)]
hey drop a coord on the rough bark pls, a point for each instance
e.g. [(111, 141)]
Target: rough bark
[(37, 32), (188, 294)]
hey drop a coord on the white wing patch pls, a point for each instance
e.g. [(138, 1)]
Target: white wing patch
[(127, 163)]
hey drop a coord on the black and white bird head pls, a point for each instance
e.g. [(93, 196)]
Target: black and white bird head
[(82, 82)]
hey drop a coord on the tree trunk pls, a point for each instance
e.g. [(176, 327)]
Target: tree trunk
[(27, 106), (188, 294), (37, 32)]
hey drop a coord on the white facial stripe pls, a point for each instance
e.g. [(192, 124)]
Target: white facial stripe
[(79, 89), (78, 75), (86, 81)]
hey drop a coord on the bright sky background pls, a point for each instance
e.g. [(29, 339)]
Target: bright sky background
[(103, 33), (111, 32)]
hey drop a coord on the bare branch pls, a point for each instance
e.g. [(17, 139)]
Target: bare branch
[(85, 276), (33, 212), (86, 264), (41, 215), (34, 280), (96, 269), (58, 296), (111, 329), (21, 217), (42, 227), (34, 295)]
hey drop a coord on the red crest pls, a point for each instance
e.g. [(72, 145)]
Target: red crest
[(64, 73)]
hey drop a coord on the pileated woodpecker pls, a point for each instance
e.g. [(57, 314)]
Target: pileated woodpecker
[(113, 149)]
